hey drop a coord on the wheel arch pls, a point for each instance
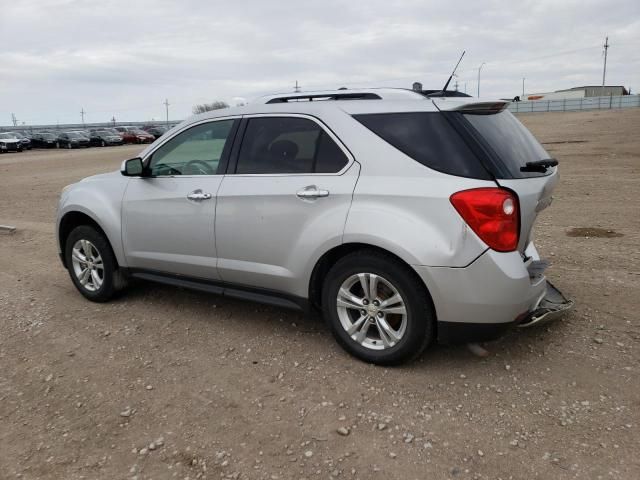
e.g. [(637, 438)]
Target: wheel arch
[(329, 258), (74, 219)]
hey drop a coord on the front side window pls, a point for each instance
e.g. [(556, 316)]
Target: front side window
[(288, 145), (196, 151)]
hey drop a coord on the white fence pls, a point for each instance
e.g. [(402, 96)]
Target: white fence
[(572, 104)]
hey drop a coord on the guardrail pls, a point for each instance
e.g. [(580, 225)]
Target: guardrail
[(574, 104)]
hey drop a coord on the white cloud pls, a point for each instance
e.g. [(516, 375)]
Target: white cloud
[(124, 58)]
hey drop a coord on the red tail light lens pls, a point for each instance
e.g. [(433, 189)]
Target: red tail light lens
[(493, 214)]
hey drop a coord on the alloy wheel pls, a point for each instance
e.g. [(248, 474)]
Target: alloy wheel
[(371, 311), (87, 265)]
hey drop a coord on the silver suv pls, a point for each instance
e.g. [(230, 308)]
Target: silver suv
[(404, 219)]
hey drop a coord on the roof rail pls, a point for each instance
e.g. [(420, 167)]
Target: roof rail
[(326, 96), (343, 94)]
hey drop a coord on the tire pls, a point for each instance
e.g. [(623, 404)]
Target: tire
[(85, 238), (69, 146), (414, 330)]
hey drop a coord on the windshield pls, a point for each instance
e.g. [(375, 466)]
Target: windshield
[(512, 143), (74, 135), (8, 136)]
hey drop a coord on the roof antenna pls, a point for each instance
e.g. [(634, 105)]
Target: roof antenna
[(441, 93)]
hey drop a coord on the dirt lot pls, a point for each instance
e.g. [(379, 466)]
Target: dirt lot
[(237, 390)]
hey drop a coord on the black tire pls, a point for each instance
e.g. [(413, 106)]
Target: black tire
[(420, 316), (113, 279)]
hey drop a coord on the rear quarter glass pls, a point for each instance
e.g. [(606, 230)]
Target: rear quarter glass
[(509, 142), (428, 138)]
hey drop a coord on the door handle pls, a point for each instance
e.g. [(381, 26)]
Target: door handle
[(198, 195), (311, 192)]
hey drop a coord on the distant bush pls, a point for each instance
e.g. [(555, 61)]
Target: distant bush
[(207, 107)]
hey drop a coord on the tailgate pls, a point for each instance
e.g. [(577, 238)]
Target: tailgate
[(534, 195), (512, 152)]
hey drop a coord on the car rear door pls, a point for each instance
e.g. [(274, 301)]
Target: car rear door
[(168, 216), (284, 200)]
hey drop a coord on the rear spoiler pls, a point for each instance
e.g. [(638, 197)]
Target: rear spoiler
[(482, 108)]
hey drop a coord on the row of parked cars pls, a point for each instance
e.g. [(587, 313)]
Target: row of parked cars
[(17, 141)]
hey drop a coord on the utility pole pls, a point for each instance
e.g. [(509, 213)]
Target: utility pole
[(296, 87), (113, 120), (604, 70), (14, 119), (456, 85), (82, 112), (479, 70), (522, 98), (166, 106)]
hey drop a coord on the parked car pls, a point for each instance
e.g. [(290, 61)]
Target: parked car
[(104, 138), (405, 220), (9, 143), (84, 133), (156, 131), (143, 137), (127, 134), (72, 140), (26, 142), (44, 140)]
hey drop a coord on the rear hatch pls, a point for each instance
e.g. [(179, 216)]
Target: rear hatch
[(517, 161), (480, 140)]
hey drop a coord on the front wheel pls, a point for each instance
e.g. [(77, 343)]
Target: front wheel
[(377, 308), (92, 265)]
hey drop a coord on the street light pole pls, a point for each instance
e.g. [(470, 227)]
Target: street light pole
[(479, 70), (166, 105), (522, 88)]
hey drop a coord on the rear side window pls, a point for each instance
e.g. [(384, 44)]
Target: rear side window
[(512, 142), (281, 145), (429, 139)]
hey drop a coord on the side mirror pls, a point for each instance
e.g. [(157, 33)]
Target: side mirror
[(132, 167)]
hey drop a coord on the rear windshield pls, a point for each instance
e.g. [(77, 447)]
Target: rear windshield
[(511, 142), (428, 138)]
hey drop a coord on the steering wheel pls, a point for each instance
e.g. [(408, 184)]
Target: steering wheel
[(197, 167)]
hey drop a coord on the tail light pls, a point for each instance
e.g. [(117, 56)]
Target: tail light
[(493, 214)]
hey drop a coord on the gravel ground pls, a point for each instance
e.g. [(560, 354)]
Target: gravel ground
[(166, 383)]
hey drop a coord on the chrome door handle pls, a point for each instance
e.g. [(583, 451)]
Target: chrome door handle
[(198, 195), (311, 192)]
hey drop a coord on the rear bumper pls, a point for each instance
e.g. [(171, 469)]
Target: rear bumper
[(483, 300)]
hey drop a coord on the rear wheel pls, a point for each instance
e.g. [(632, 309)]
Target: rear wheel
[(377, 308), (92, 265)]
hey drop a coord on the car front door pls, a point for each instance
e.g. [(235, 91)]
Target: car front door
[(284, 200), (168, 216)]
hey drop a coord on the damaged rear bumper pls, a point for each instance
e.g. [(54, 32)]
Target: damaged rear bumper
[(551, 307), (496, 292)]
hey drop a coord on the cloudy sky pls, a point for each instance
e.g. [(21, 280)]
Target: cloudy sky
[(123, 58)]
